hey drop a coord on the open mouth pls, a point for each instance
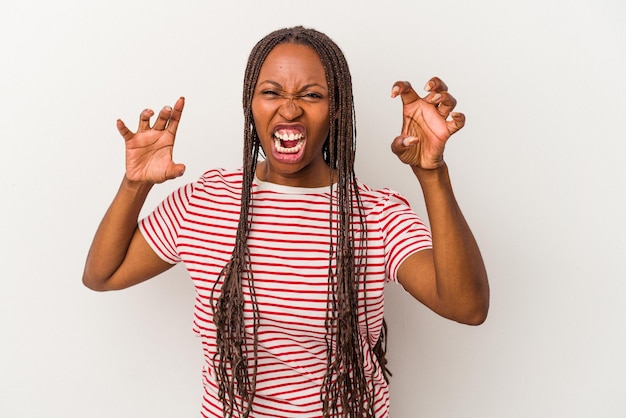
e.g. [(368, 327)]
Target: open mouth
[(288, 141)]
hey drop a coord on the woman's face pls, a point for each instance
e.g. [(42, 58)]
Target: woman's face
[(290, 107)]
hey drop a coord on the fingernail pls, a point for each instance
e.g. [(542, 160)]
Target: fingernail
[(428, 86), (409, 140), (395, 91), (436, 97)]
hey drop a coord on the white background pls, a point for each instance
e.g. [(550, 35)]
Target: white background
[(538, 169)]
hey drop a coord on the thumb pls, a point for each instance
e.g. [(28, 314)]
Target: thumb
[(407, 149), (174, 171), (403, 142)]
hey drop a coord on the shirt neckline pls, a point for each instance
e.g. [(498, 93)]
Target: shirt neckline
[(281, 188)]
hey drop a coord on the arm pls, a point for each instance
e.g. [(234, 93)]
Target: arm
[(451, 278), (119, 256)]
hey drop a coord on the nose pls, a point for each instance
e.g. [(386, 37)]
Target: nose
[(290, 109)]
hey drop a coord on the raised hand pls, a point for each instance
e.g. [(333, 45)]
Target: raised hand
[(149, 150), (425, 124)]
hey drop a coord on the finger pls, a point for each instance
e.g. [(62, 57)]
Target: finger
[(174, 170), (405, 91), (402, 142), (163, 118), (435, 84), (407, 149), (456, 123), (124, 131), (176, 114), (144, 119), (444, 102)]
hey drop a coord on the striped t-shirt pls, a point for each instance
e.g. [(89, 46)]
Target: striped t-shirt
[(289, 250)]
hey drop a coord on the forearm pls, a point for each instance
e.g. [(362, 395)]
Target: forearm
[(461, 278), (114, 234)]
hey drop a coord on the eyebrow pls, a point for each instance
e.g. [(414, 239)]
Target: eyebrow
[(307, 86)]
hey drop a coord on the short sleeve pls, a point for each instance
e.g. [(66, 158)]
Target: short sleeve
[(404, 233), (161, 227)]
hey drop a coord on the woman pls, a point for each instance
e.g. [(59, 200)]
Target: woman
[(289, 256)]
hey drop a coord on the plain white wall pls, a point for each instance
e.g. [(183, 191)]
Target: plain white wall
[(538, 171)]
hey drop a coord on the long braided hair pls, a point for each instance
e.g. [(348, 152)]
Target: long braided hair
[(345, 390)]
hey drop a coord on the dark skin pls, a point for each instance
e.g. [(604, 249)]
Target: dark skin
[(450, 279), (119, 256), (292, 95)]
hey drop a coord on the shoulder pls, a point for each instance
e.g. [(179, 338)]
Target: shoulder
[(218, 180), (214, 184), (226, 177), (380, 197)]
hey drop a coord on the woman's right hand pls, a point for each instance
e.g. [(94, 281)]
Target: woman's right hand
[(149, 150)]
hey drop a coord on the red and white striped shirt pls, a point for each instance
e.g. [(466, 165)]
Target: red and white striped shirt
[(289, 250)]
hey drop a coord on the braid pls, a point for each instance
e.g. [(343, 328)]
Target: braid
[(345, 384), (232, 350), (345, 387)]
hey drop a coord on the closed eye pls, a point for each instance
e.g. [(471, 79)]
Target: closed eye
[(313, 96), (272, 93)]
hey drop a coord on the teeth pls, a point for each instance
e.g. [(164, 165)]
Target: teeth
[(288, 137), (290, 150)]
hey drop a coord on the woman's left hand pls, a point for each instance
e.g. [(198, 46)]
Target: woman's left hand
[(425, 124)]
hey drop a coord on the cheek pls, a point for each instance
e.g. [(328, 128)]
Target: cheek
[(322, 117), (325, 126), (255, 111), (262, 115)]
